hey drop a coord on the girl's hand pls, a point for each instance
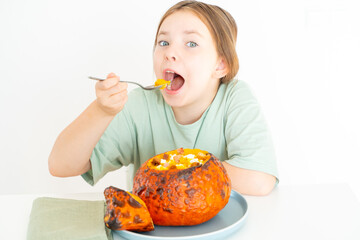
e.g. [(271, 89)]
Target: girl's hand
[(111, 94)]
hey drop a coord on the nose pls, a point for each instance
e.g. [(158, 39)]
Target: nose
[(170, 58), (170, 54)]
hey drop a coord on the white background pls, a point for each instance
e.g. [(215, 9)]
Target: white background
[(301, 59)]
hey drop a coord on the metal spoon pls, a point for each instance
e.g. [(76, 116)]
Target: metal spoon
[(152, 87)]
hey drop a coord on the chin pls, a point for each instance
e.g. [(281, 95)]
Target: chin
[(173, 101)]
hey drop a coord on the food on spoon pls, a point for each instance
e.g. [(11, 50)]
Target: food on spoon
[(183, 187), (162, 82), (125, 211)]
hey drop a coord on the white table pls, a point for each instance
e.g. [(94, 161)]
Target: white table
[(321, 211)]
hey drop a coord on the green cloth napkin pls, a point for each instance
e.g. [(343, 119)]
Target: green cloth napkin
[(55, 218)]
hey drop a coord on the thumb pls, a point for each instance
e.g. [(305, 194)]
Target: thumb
[(111, 75)]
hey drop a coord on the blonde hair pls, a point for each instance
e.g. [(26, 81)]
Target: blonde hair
[(222, 27)]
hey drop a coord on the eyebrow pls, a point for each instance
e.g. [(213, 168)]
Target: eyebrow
[(187, 32)]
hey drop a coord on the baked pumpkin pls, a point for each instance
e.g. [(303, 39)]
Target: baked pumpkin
[(125, 211), (182, 187), (162, 82)]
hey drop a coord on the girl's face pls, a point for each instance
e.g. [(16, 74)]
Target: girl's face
[(185, 54)]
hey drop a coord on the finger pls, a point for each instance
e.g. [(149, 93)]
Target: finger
[(115, 100), (118, 99), (118, 88), (107, 83)]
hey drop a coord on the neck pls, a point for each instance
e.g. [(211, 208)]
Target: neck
[(188, 115), (191, 113)]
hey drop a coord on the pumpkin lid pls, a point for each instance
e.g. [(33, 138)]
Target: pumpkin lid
[(126, 211)]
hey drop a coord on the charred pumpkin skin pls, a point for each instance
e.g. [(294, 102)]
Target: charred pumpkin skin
[(179, 197), (125, 211)]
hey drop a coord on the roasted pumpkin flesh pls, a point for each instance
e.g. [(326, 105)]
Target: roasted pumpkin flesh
[(179, 159), (163, 82), (126, 211)]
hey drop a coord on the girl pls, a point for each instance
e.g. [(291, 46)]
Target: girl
[(203, 107)]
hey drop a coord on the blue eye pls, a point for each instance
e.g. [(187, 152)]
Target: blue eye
[(163, 43), (192, 44)]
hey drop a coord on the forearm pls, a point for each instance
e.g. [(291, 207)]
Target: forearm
[(71, 152), (250, 182)]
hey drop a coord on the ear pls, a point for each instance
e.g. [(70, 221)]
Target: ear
[(221, 68)]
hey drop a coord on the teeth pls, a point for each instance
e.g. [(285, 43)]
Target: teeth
[(169, 75)]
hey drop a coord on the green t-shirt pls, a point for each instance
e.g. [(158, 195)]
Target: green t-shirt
[(232, 128)]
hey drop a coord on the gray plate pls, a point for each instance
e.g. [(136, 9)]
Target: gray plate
[(228, 220)]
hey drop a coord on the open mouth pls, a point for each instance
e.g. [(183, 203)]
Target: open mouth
[(177, 81)]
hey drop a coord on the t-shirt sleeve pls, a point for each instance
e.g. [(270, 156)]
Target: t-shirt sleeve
[(249, 143), (114, 149)]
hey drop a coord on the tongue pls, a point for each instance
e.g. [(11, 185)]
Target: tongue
[(177, 83)]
